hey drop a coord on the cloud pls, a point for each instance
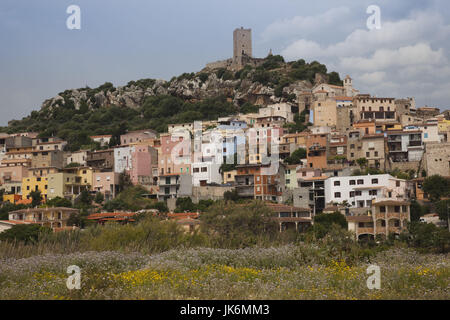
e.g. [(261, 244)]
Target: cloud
[(373, 77), (406, 57), (304, 25), (305, 49), (415, 55)]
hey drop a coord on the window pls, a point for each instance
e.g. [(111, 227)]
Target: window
[(204, 169), (352, 194), (373, 192), (352, 182), (374, 181), (196, 170), (360, 181), (376, 153), (358, 193), (367, 154), (382, 209), (337, 194), (397, 183), (397, 209), (337, 183)]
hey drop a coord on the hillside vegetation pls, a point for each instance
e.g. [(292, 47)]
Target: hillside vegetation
[(76, 114)]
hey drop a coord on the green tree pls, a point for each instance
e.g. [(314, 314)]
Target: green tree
[(362, 162), (236, 226), (7, 207), (99, 198), (324, 221), (59, 202), (27, 233), (296, 156), (36, 198), (160, 206), (184, 204), (428, 237), (436, 187), (85, 198), (124, 180), (443, 209), (231, 195), (416, 210)]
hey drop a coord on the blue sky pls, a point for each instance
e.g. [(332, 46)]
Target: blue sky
[(128, 40)]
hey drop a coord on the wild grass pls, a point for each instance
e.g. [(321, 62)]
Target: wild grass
[(287, 272)]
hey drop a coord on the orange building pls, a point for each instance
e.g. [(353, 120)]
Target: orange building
[(316, 146), (365, 127), (251, 182)]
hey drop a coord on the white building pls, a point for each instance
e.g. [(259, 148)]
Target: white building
[(206, 167), (122, 158), (102, 139), (280, 109), (77, 157), (360, 191)]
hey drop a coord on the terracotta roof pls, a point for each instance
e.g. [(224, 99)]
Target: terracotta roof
[(16, 222), (183, 215), (110, 215)]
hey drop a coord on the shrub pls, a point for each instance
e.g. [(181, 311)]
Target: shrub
[(25, 232)]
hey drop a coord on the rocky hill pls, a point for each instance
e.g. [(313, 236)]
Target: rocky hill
[(76, 114), (273, 82)]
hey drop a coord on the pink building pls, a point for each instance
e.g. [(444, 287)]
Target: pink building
[(144, 165), (175, 155), (13, 173), (106, 183)]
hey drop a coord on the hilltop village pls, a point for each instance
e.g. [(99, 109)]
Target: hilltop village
[(328, 149)]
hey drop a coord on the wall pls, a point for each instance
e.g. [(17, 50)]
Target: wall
[(437, 159)]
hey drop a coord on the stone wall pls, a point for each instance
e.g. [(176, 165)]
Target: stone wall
[(438, 159), (209, 192)]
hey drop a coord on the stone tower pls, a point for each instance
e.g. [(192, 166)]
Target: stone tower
[(242, 46), (348, 86)]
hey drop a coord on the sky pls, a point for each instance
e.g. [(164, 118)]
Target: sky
[(123, 40)]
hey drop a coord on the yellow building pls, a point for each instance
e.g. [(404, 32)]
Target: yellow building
[(33, 184), (228, 176), (48, 217), (11, 198), (85, 173)]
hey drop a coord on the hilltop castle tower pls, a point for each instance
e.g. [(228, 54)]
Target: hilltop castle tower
[(242, 53), (242, 46)]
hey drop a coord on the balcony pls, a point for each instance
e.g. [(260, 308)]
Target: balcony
[(365, 230)]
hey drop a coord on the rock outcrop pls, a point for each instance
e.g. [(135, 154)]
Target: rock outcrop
[(191, 87)]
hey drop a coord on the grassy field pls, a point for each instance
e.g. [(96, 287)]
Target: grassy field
[(302, 271)]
